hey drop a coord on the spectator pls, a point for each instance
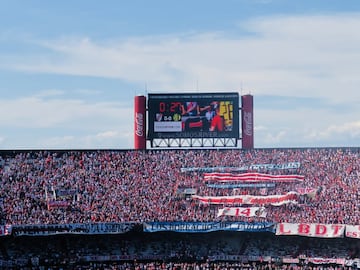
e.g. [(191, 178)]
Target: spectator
[(117, 186)]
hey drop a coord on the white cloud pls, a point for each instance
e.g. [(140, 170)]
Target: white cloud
[(275, 138), (30, 122), (298, 56), (107, 134), (305, 127), (349, 130), (36, 112), (49, 93), (55, 142), (91, 92), (301, 56), (103, 140)]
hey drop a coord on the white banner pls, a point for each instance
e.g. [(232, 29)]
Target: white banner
[(242, 211), (257, 167), (318, 260), (311, 229), (276, 200), (352, 231)]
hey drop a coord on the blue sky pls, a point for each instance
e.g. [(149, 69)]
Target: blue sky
[(69, 70)]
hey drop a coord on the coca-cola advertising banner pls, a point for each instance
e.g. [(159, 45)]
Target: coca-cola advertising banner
[(193, 115), (140, 122), (247, 122)]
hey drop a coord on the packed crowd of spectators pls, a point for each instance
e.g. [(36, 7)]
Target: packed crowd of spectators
[(43, 187), (174, 251)]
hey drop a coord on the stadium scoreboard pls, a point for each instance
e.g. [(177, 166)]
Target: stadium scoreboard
[(193, 115)]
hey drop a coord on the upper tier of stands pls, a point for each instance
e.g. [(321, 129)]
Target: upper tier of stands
[(43, 187)]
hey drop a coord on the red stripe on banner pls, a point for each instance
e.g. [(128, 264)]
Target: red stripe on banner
[(290, 197), (252, 177)]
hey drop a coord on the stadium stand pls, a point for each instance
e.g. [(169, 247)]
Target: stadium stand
[(70, 189)]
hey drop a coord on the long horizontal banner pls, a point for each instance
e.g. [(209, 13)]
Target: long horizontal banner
[(311, 229), (276, 200), (203, 227), (242, 185), (253, 167), (72, 228), (240, 258), (319, 260), (303, 229), (287, 260), (219, 257), (242, 212), (252, 177), (132, 257)]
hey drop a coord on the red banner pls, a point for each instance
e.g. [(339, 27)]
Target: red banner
[(290, 197), (57, 204), (252, 177), (340, 261)]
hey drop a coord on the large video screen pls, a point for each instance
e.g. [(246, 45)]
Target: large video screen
[(194, 115)]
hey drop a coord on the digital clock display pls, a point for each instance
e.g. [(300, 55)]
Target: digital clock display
[(193, 115), (170, 107)]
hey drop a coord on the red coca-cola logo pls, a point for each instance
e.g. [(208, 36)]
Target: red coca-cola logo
[(248, 123), (139, 122)]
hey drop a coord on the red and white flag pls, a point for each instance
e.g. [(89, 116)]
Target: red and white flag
[(252, 177)]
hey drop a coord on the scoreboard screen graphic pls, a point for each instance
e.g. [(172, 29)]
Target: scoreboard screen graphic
[(193, 115)]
